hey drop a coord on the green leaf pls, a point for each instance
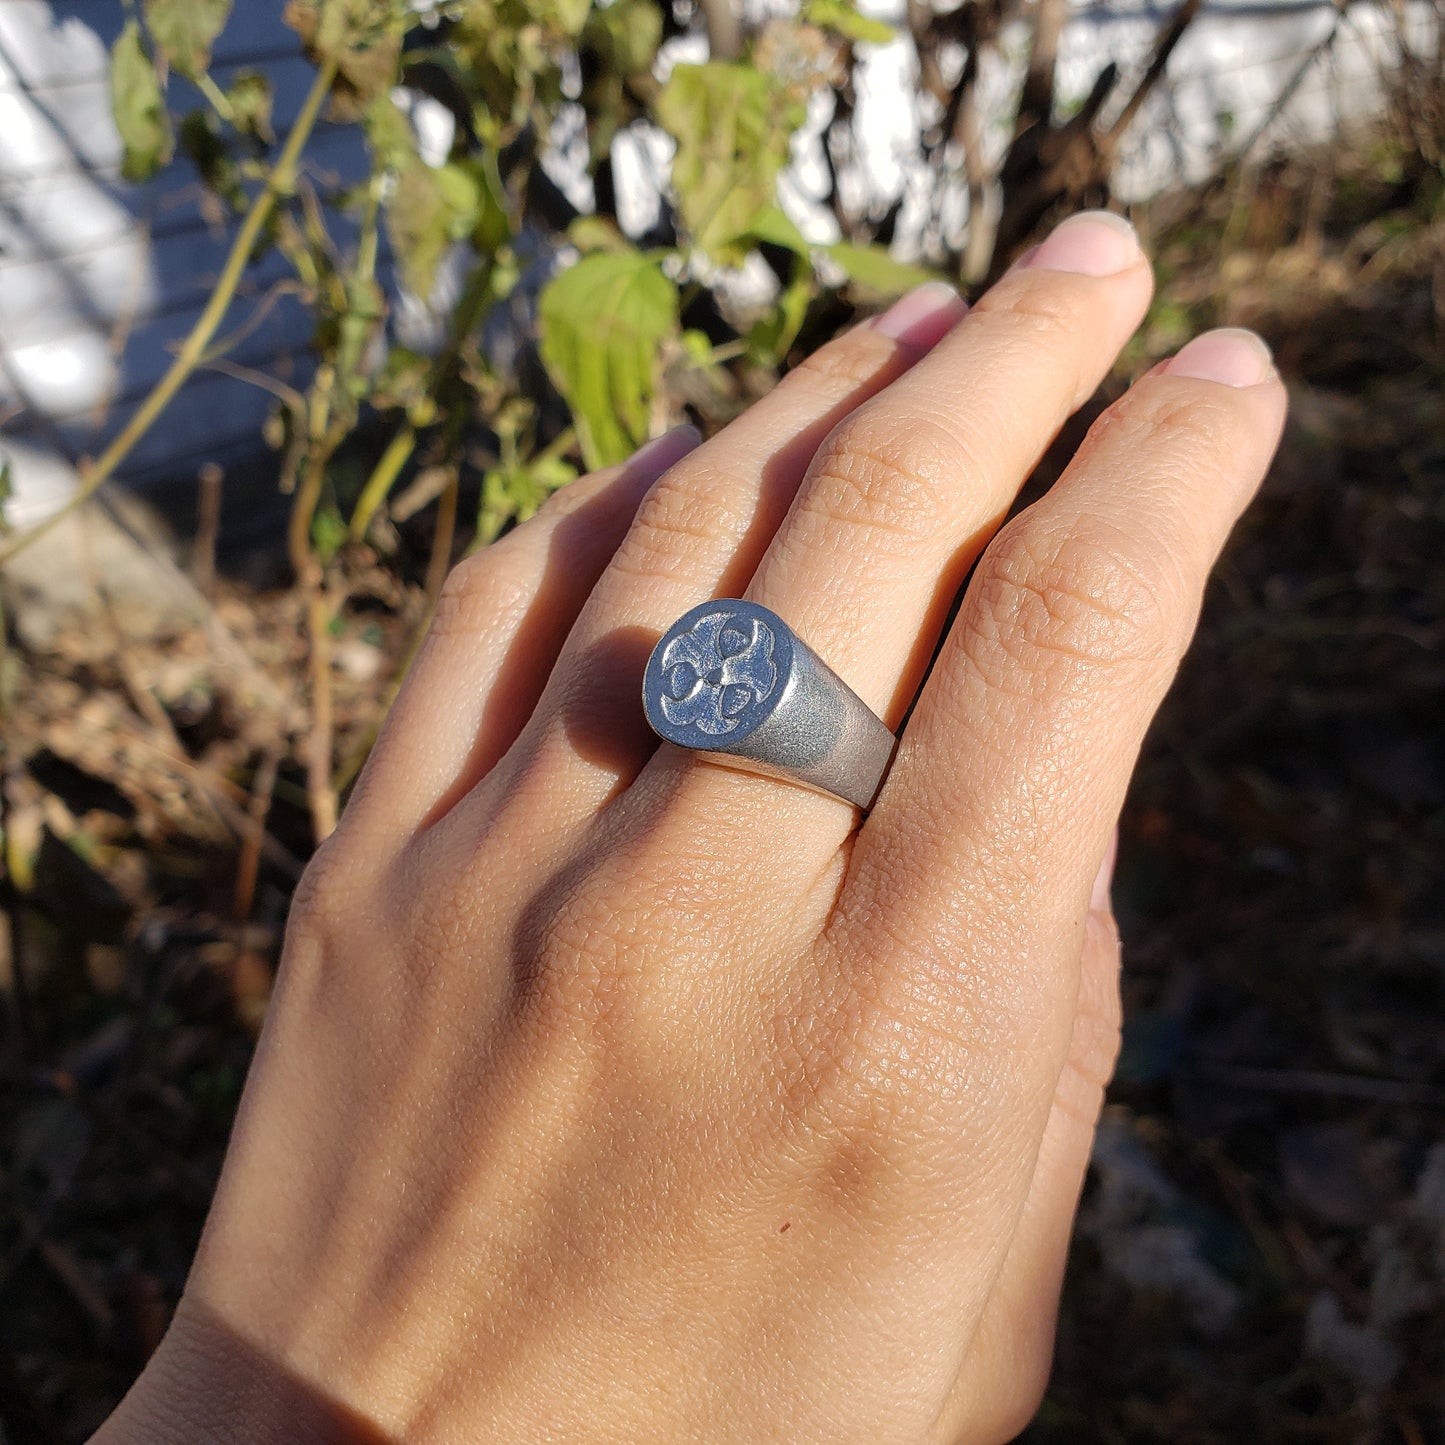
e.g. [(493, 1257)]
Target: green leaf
[(402, 381), (139, 107), (872, 268), (568, 15), (328, 536), (250, 97), (389, 134), (185, 30), (429, 207), (492, 233), (200, 136), (597, 233), (771, 338), (697, 347), (732, 124), (626, 34), (776, 228), (842, 19), (603, 323), (514, 493)]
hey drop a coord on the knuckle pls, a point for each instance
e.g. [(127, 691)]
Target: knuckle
[(856, 1084), (1071, 599), (322, 889), (889, 479), (481, 590), (1038, 307), (845, 364), (685, 509), (572, 497), (334, 891), (586, 953), (437, 934), (1041, 320), (578, 969), (1195, 429)]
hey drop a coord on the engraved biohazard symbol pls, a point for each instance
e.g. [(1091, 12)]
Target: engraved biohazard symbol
[(716, 672)]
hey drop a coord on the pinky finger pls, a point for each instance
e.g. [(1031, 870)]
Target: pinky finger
[(500, 622)]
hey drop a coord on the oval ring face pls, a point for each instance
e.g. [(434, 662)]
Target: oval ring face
[(716, 674)]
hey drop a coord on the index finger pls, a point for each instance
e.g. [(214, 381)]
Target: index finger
[(975, 867)]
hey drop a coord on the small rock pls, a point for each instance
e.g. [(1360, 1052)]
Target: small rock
[(359, 660)]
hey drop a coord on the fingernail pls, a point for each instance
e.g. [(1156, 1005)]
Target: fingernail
[(922, 316), (1230, 355), (661, 452), (1092, 243), (1100, 896)]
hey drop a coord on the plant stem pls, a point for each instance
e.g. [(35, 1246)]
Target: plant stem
[(327, 436), (470, 310), (220, 102), (193, 349), (319, 792), (446, 530), (382, 479)]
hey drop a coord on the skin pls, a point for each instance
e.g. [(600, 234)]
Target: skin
[(609, 1094)]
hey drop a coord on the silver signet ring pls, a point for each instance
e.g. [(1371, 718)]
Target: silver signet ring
[(733, 680)]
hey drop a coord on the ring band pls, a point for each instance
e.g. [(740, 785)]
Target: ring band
[(733, 680)]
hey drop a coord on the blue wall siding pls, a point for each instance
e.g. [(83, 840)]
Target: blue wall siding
[(99, 278)]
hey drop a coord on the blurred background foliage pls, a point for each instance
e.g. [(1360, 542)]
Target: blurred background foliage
[(1262, 1246), (614, 326)]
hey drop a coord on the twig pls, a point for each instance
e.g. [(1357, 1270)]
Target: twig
[(230, 802), (724, 33), (267, 304), (279, 182), (429, 484), (1319, 1081), (67, 1269), (288, 396), (383, 477), (1287, 91), (978, 246), (402, 446), (1164, 47), (320, 795), (14, 912), (208, 526), (441, 549), (1036, 102), (347, 773), (248, 863)]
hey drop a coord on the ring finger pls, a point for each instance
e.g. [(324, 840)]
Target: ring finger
[(703, 525)]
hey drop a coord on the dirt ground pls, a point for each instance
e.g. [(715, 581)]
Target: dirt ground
[(1261, 1250)]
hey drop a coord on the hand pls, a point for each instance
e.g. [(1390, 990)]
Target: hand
[(608, 1094)]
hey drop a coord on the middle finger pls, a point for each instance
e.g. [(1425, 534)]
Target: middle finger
[(901, 497), (905, 492)]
